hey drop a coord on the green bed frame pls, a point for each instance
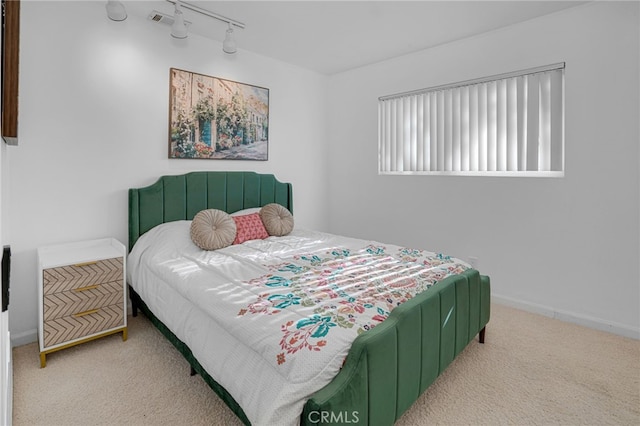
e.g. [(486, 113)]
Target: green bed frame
[(388, 367)]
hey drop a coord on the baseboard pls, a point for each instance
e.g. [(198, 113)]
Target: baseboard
[(586, 321), (24, 338)]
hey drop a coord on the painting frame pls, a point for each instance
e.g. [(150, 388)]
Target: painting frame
[(216, 119)]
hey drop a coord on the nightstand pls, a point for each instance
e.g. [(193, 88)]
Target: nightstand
[(81, 293)]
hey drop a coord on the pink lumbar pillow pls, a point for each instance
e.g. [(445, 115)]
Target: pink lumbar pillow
[(249, 227)]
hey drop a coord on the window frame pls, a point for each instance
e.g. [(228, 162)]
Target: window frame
[(389, 147)]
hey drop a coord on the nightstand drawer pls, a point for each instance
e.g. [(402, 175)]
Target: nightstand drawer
[(83, 324), (82, 299), (70, 277)]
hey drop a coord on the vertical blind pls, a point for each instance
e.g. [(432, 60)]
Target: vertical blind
[(510, 124)]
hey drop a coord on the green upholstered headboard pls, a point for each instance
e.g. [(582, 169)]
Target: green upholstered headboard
[(180, 197)]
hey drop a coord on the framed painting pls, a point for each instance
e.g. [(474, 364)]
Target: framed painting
[(213, 118)]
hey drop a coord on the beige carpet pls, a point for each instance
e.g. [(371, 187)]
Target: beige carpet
[(531, 370)]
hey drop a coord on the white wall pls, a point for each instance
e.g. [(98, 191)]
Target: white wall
[(93, 122), (566, 247)]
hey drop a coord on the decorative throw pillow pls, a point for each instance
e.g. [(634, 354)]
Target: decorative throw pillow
[(249, 227), (212, 229), (277, 219)]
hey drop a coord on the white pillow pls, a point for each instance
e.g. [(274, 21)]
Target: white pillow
[(246, 211)]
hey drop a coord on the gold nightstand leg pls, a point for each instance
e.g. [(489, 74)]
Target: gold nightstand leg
[(43, 355)]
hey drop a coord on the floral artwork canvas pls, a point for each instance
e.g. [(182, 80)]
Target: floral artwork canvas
[(213, 118)]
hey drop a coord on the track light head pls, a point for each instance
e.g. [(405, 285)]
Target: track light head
[(116, 10), (229, 44), (179, 28)]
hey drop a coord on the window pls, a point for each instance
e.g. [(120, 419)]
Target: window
[(505, 125)]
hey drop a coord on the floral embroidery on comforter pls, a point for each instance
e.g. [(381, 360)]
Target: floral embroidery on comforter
[(347, 289), (273, 320)]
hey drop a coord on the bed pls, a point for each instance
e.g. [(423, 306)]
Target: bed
[(384, 369)]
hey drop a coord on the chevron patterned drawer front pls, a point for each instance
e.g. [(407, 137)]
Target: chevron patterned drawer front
[(82, 299), (81, 293), (82, 324), (73, 277)]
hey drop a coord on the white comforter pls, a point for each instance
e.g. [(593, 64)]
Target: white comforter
[(273, 320)]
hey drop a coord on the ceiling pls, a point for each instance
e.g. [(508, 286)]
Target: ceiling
[(334, 36)]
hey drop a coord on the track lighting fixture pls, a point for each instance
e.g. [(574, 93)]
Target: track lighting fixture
[(229, 44), (179, 28), (116, 10)]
